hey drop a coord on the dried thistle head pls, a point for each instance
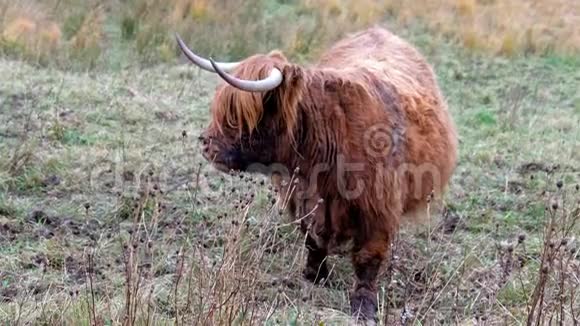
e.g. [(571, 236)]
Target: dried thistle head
[(545, 270), (510, 248)]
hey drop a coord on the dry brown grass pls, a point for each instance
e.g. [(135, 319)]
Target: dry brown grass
[(75, 29), (41, 31), (90, 34), (27, 26), (505, 27), (500, 27)]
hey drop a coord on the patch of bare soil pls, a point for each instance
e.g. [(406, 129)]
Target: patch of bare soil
[(532, 167)]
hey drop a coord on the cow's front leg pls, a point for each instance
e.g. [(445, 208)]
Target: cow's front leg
[(316, 269), (367, 258)]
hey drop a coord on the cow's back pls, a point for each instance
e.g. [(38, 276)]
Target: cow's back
[(377, 55), (379, 51)]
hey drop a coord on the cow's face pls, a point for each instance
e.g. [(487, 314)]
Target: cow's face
[(228, 147), (230, 142), (253, 114)]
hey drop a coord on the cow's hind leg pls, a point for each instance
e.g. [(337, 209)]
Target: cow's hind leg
[(367, 259), (316, 269)]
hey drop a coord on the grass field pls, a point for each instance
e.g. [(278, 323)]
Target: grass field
[(109, 215)]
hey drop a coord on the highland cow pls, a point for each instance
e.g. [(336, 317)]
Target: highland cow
[(365, 132)]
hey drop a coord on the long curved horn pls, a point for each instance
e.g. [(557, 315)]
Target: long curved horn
[(272, 81), (201, 62)]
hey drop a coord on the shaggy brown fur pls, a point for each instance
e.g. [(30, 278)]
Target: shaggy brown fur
[(367, 129)]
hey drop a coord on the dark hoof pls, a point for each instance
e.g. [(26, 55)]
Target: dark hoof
[(363, 306), (316, 275)]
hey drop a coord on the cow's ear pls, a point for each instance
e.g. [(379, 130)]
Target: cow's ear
[(291, 89), (293, 75), (287, 96)]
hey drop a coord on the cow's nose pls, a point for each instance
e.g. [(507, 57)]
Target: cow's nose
[(205, 144), (204, 140)]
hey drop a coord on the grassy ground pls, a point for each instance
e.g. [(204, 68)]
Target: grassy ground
[(109, 215)]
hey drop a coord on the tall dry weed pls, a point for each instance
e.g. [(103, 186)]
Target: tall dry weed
[(86, 44)]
